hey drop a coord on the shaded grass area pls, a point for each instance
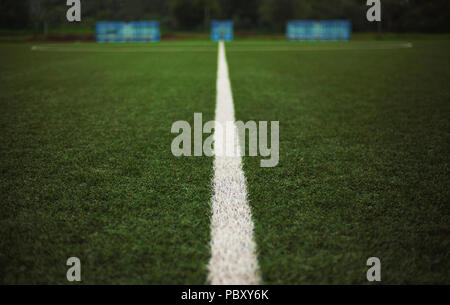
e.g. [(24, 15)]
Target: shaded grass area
[(87, 171), (364, 164)]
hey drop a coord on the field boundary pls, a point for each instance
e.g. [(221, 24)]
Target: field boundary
[(291, 47)]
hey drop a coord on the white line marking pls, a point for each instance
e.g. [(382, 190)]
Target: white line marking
[(233, 251), (294, 47), (353, 47), (122, 50)]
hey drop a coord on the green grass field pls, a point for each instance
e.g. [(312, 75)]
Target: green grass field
[(87, 169)]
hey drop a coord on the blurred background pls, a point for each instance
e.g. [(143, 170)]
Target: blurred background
[(46, 19)]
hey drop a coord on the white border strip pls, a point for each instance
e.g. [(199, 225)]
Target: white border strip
[(236, 48), (233, 251)]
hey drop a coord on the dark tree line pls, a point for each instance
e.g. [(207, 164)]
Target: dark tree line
[(260, 15)]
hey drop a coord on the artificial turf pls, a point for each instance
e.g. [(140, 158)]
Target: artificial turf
[(87, 169), (364, 161)]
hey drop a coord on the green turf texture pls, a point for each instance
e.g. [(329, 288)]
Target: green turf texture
[(364, 162), (87, 169)]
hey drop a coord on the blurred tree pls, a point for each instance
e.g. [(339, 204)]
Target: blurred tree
[(419, 15), (397, 15), (14, 14), (192, 14), (245, 14), (275, 13)]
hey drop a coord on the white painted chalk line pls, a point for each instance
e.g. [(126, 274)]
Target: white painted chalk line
[(233, 250), (235, 48)]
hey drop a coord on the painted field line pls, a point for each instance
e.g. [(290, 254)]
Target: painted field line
[(233, 251), (319, 48), (122, 50), (234, 48)]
